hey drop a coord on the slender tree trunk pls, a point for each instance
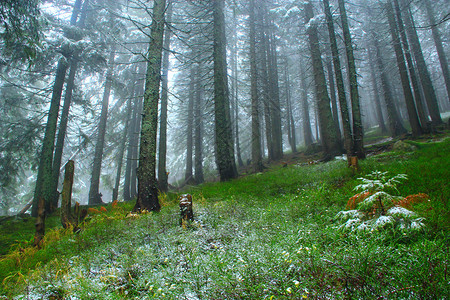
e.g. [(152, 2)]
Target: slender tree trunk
[(263, 58), (62, 131), (307, 132), (395, 124), (122, 150), (59, 147), (256, 138), (412, 72), (274, 95), (289, 117), (224, 138), (147, 184), (425, 78), (334, 108), (94, 192), (136, 134), (358, 142), (379, 112), (410, 106), (44, 180), (131, 135), (439, 46), (188, 176), (198, 130), (162, 153), (347, 131), (66, 195), (235, 88), (327, 129)]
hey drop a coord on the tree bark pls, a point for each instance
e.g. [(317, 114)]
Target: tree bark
[(94, 193), (307, 132), (188, 175), (289, 115), (224, 139), (327, 129), (410, 106), (439, 46), (395, 124), (66, 195), (198, 130), (147, 184), (132, 132), (235, 89), (122, 149), (425, 79), (412, 71), (256, 137), (44, 177), (162, 153), (347, 131), (379, 111), (44, 180), (358, 142), (334, 108), (274, 92)]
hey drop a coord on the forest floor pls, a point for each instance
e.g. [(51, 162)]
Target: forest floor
[(271, 235)]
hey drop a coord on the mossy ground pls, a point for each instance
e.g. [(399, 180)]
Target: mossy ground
[(264, 236)]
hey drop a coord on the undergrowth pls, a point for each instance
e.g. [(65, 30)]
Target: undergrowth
[(265, 236)]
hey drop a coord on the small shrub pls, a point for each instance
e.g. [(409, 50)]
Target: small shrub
[(374, 208)]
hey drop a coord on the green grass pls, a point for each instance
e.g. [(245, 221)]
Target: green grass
[(265, 236)]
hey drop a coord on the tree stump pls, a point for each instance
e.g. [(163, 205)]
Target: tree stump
[(66, 195), (40, 224), (186, 213), (353, 163)]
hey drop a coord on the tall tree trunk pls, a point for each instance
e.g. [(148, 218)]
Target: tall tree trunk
[(289, 117), (439, 45), (307, 132), (274, 92), (395, 124), (62, 129), (163, 184), (379, 112), (188, 175), (334, 108), (94, 192), (235, 89), (358, 142), (256, 137), (347, 131), (410, 106), (198, 130), (122, 150), (66, 195), (136, 142), (412, 72), (327, 129), (224, 137), (131, 136), (425, 78), (147, 184), (265, 87), (44, 180)]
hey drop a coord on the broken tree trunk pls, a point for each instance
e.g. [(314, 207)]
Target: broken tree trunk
[(186, 213), (40, 223), (66, 195)]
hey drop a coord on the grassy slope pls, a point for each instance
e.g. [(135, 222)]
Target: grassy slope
[(264, 235)]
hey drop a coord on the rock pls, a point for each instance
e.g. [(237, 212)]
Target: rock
[(403, 147)]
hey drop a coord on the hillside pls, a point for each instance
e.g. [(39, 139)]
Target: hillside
[(271, 235)]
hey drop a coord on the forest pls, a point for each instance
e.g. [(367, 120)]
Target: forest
[(311, 139)]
